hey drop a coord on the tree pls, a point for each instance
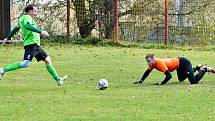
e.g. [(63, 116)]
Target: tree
[(109, 18), (86, 17)]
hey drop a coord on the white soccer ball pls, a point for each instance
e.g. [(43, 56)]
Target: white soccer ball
[(102, 84)]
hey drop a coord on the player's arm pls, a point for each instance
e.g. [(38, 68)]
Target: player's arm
[(167, 78), (145, 75), (30, 27), (13, 32)]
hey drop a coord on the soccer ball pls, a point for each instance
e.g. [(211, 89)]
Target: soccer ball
[(102, 84)]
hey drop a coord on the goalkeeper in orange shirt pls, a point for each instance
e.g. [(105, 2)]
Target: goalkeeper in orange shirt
[(182, 65)]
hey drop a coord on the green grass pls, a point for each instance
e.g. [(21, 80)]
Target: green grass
[(32, 95)]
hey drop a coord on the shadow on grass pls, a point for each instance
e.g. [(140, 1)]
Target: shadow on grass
[(185, 83)]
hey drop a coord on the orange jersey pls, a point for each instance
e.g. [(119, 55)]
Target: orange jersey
[(164, 64)]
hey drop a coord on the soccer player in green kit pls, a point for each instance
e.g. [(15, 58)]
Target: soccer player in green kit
[(31, 37)]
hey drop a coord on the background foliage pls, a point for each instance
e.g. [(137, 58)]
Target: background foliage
[(190, 22)]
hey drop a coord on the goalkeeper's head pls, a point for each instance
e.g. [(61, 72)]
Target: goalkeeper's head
[(150, 59)]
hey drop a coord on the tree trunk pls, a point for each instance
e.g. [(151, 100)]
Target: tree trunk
[(109, 18), (85, 21)]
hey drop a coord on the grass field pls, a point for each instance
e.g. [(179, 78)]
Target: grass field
[(32, 95)]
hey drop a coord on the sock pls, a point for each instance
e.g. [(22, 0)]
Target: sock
[(53, 72), (12, 67)]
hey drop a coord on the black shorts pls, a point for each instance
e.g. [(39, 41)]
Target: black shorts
[(36, 51), (185, 67)]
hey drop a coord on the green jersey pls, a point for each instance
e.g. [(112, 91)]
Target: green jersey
[(29, 37)]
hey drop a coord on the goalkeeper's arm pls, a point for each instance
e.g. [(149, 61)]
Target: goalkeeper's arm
[(145, 75), (167, 78)]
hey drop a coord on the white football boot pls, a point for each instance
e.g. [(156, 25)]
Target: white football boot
[(62, 80), (1, 73)]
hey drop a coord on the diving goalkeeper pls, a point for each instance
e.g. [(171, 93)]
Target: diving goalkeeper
[(167, 65)]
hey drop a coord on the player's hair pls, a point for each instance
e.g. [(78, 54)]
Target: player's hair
[(150, 56), (28, 8)]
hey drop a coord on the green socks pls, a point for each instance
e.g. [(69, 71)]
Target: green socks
[(52, 71), (12, 67), (17, 65)]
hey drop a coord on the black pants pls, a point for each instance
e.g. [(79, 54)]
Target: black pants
[(185, 70), (36, 51)]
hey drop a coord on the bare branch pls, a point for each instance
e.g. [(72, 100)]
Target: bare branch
[(194, 10), (131, 10)]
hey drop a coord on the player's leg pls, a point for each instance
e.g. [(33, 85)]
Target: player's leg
[(51, 69), (186, 71), (28, 56), (17, 65), (181, 75), (53, 72), (195, 79), (182, 70), (42, 55), (13, 67)]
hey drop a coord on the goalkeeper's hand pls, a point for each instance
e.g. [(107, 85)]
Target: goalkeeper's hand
[(138, 82)]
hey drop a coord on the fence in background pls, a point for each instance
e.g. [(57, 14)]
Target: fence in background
[(188, 21)]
